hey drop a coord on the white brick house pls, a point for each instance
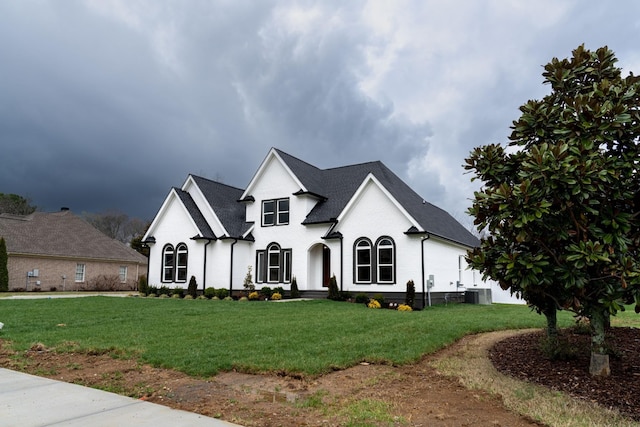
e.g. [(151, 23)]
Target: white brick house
[(360, 223)]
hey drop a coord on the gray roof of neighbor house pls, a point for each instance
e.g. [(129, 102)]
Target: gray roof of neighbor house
[(334, 188), (62, 234)]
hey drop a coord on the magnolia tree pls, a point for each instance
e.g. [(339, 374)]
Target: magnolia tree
[(561, 202)]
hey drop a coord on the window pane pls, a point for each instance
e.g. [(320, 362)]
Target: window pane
[(123, 274), (385, 256), (286, 266), (268, 212), (385, 274), (364, 257), (260, 267), (283, 217), (79, 272), (364, 274)]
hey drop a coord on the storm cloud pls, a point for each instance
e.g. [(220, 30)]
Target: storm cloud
[(104, 105)]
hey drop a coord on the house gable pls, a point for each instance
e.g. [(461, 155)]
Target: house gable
[(174, 219), (273, 160), (373, 201)]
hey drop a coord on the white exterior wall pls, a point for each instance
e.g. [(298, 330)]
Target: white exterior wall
[(373, 216), (276, 183), (174, 226)]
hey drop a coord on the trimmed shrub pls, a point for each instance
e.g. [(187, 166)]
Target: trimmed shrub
[(379, 298), (410, 295), (266, 292), (404, 307), (188, 296), (279, 290), (177, 291), (176, 296), (276, 296), (362, 298), (334, 292), (295, 293), (222, 293), (210, 293), (374, 304), (254, 295), (192, 288), (143, 285)]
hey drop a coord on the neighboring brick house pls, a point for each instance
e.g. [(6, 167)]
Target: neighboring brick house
[(61, 251)]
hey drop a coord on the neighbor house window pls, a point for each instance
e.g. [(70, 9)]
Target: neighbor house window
[(80, 269), (273, 265), (275, 212), (385, 260), (123, 274), (181, 262), (363, 267), (168, 263)]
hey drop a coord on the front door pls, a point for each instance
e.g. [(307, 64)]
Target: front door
[(326, 266)]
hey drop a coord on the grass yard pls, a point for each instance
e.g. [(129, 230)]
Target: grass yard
[(202, 337)]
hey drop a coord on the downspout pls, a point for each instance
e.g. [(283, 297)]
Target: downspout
[(341, 263), (424, 303), (231, 269), (204, 272)]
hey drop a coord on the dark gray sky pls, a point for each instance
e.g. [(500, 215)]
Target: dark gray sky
[(105, 105)]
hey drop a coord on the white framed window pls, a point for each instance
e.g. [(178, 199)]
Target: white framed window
[(385, 261), (260, 268), (123, 274), (275, 212), (273, 265), (168, 263), (363, 267), (80, 272), (286, 265), (182, 255)]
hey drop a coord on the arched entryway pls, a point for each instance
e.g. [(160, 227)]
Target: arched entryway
[(319, 272)]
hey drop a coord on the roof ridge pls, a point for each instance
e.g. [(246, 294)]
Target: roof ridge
[(296, 158), (355, 164), (216, 182)]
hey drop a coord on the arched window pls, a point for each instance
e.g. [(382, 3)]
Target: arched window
[(273, 263), (362, 256), (182, 255), (385, 260), (168, 263)]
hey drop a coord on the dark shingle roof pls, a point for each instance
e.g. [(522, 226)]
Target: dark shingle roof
[(335, 187), (196, 214), (223, 199), (338, 185), (62, 234)]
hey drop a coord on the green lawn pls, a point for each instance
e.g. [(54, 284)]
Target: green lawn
[(202, 337)]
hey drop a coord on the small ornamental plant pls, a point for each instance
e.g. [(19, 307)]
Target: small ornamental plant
[(254, 295), (276, 296), (374, 304), (404, 307)]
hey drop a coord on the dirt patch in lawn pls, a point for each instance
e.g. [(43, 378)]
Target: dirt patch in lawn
[(366, 394)]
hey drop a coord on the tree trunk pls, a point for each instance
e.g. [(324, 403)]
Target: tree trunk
[(551, 313), (599, 366)]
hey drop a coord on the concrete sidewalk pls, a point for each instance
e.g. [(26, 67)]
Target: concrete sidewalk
[(27, 400)]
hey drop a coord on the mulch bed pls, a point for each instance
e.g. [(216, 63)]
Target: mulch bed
[(521, 357)]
